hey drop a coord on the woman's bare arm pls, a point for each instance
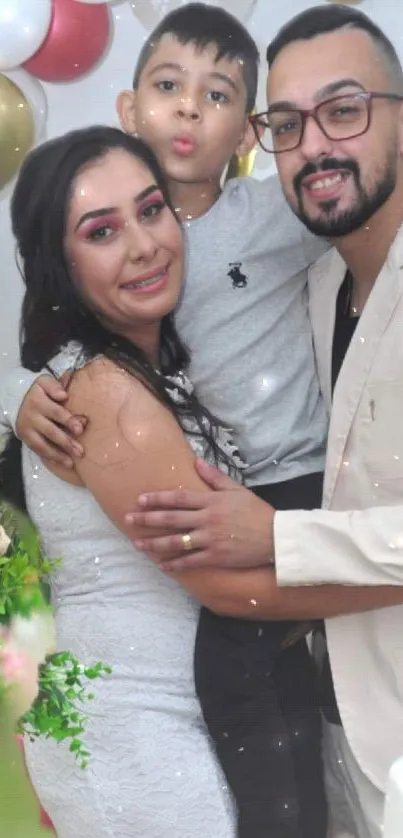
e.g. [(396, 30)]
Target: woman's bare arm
[(134, 444)]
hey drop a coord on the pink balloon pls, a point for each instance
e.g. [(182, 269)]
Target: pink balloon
[(77, 38)]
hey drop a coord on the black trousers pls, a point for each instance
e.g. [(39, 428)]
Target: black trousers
[(261, 707)]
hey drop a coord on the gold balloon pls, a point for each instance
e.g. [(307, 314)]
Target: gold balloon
[(246, 164), (239, 166), (16, 129)]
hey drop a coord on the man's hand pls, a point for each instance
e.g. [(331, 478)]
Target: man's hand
[(46, 426), (229, 527)]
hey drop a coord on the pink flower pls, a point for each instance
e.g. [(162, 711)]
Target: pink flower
[(19, 673), (24, 645)]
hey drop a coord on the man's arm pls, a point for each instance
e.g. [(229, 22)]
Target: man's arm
[(131, 442), (230, 529), (350, 548)]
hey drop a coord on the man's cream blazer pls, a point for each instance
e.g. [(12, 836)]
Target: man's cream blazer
[(358, 537)]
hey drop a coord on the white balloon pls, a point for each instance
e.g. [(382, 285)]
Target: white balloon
[(151, 12), (24, 25), (36, 98)]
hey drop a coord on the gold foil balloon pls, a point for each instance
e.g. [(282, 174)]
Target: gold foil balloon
[(17, 129), (246, 164), (240, 166)]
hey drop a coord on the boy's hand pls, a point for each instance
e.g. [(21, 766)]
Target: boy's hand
[(46, 426)]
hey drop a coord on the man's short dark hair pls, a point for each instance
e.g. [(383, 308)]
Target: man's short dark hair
[(320, 20), (204, 26)]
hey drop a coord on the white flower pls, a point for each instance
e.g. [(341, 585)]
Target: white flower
[(19, 673), (24, 645), (5, 541), (34, 635)]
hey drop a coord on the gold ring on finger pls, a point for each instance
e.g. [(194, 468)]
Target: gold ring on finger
[(187, 541)]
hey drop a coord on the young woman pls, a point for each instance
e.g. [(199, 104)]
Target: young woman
[(102, 259)]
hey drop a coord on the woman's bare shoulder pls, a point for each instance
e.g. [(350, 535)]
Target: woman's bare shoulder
[(103, 387)]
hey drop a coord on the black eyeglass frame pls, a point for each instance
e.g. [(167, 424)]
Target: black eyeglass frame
[(366, 96)]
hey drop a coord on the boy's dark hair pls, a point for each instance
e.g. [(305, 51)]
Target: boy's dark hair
[(320, 20), (204, 26)]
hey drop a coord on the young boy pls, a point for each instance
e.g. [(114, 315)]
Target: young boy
[(243, 315)]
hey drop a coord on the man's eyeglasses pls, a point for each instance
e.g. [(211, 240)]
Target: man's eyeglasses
[(339, 118)]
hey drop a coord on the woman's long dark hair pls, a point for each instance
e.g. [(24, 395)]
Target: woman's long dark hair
[(53, 310)]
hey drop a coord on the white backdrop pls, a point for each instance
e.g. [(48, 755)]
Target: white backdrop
[(92, 100)]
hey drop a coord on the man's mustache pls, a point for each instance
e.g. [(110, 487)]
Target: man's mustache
[(331, 163)]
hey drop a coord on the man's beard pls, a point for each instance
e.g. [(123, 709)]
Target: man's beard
[(333, 224)]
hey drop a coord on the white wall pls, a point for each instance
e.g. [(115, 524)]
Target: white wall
[(92, 100)]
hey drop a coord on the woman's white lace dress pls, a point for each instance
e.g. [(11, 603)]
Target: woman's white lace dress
[(152, 773)]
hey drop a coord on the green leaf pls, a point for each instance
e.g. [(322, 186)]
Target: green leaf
[(57, 711)]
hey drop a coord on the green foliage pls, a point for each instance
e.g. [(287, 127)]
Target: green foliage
[(23, 570), (58, 712)]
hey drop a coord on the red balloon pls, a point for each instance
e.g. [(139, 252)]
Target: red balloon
[(77, 38)]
